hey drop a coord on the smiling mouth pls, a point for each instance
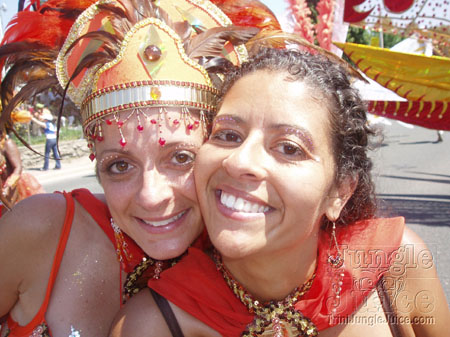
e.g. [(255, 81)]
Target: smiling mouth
[(241, 205), (165, 222)]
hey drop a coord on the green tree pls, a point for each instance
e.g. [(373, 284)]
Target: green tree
[(358, 35)]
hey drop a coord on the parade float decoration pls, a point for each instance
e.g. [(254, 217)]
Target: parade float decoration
[(423, 81)]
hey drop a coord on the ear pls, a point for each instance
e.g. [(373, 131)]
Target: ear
[(339, 196)]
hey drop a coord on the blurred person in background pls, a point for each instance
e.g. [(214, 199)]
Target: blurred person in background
[(45, 121), (15, 185)]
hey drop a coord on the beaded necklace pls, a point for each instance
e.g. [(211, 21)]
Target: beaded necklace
[(135, 282), (279, 316)]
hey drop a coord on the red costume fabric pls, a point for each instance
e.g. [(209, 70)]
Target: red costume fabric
[(28, 185), (196, 286)]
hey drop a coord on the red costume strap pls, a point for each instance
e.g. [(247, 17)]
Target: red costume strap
[(100, 213), (196, 286), (17, 330), (96, 208)]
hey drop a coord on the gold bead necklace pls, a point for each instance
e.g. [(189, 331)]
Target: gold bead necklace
[(274, 315)]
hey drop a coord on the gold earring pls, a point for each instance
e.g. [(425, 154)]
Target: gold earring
[(337, 260)]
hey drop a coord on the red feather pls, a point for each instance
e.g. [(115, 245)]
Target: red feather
[(249, 13), (49, 25), (36, 29)]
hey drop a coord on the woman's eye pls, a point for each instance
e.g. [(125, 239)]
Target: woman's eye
[(119, 167), (227, 136), (183, 157), (289, 149)]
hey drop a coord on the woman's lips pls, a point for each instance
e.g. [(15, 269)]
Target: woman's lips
[(166, 225)]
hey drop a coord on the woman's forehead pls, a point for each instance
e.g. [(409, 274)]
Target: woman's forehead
[(151, 127), (273, 96)]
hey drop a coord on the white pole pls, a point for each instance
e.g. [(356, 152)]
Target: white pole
[(3, 8)]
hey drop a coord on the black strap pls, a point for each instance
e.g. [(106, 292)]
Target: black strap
[(391, 315), (167, 313)]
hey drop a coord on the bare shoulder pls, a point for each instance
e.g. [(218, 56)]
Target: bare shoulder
[(414, 259), (142, 317), (27, 233), (414, 288), (34, 216)]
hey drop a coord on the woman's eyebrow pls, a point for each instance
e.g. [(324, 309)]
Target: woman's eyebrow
[(183, 144), (298, 131), (228, 118)]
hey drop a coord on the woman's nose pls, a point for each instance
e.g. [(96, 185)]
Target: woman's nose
[(247, 161), (155, 191)]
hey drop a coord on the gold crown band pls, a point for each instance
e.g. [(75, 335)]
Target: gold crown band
[(147, 94)]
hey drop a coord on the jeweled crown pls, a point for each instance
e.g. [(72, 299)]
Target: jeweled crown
[(153, 65)]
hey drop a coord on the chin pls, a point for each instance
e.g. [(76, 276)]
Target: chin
[(234, 247), (165, 250)]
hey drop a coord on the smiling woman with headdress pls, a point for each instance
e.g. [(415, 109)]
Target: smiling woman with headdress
[(143, 74), (285, 190)]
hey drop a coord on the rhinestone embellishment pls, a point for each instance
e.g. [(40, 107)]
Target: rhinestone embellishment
[(152, 53)]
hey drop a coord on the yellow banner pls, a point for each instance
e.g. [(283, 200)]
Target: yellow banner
[(414, 77)]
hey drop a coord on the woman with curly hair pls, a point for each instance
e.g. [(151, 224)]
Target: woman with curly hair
[(286, 194)]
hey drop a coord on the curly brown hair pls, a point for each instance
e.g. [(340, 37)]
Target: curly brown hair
[(348, 122)]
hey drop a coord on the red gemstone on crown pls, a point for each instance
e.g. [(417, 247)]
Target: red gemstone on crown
[(152, 53), (100, 138), (176, 122), (108, 121), (119, 124), (92, 157), (140, 128), (123, 142), (161, 141), (190, 126), (153, 121)]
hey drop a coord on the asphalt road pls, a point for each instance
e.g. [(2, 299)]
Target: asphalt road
[(74, 173), (412, 176), (411, 172)]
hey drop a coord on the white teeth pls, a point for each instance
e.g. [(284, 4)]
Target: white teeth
[(229, 200), (165, 222), (241, 205), (255, 208), (223, 198)]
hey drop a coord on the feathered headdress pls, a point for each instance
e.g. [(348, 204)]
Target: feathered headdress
[(119, 57), (28, 50), (127, 54)]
